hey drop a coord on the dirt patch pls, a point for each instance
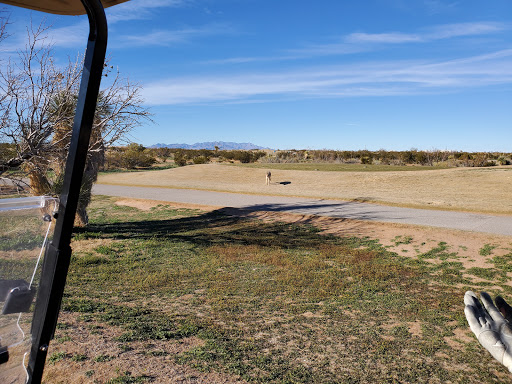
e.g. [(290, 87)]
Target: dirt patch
[(90, 244), (146, 205), (24, 254), (405, 240), (89, 352), (415, 328), (461, 337)]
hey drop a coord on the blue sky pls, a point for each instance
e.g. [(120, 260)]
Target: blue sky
[(337, 74)]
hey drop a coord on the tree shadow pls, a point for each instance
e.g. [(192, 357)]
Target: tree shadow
[(354, 210), (223, 226)]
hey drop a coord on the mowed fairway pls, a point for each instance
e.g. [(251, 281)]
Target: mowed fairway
[(466, 189)]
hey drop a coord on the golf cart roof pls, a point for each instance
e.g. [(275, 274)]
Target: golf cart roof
[(61, 7)]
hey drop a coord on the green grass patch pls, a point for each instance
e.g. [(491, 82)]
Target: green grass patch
[(157, 167), (127, 378), (402, 240), (56, 357), (487, 249), (103, 358), (440, 252), (79, 357), (503, 263)]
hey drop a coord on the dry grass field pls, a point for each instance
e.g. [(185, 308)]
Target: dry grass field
[(466, 189)]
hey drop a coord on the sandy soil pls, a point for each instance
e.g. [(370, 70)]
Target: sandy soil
[(466, 189), (406, 240)]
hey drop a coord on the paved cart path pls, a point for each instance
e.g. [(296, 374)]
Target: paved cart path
[(501, 225)]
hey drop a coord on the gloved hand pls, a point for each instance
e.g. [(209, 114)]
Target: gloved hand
[(490, 326)]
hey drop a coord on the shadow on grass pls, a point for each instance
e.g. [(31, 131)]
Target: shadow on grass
[(227, 225)]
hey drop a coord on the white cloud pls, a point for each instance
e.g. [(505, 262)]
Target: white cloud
[(362, 42), (449, 31), (72, 36), (390, 38), (359, 42), (139, 9), (168, 37), (360, 79)]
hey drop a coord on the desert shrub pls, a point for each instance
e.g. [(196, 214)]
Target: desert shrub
[(482, 160), (200, 160), (503, 161), (7, 152), (243, 156), (366, 160), (137, 156), (180, 159), (408, 157), (421, 158), (258, 155), (162, 153), (131, 157)]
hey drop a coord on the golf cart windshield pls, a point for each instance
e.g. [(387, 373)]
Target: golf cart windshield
[(27, 227)]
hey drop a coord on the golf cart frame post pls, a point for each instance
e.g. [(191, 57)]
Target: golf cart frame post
[(58, 253)]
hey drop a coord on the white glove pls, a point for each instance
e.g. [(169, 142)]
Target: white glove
[(491, 329)]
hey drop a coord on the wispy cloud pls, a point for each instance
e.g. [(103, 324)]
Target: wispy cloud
[(437, 6), (361, 42), (74, 35), (70, 36), (253, 59), (361, 79), (140, 9), (169, 37), (449, 31), (386, 38)]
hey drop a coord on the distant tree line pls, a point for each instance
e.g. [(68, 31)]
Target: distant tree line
[(136, 156), (202, 156), (409, 157)]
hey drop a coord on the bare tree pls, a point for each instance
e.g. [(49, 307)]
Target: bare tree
[(4, 21), (38, 101)]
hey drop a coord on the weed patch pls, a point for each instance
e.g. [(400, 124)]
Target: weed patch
[(487, 249)]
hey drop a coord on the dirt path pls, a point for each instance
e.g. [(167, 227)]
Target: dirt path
[(484, 190), (330, 208)]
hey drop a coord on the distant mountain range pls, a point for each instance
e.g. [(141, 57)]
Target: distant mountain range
[(223, 145)]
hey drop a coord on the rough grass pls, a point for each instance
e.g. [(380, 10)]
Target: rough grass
[(268, 303)]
